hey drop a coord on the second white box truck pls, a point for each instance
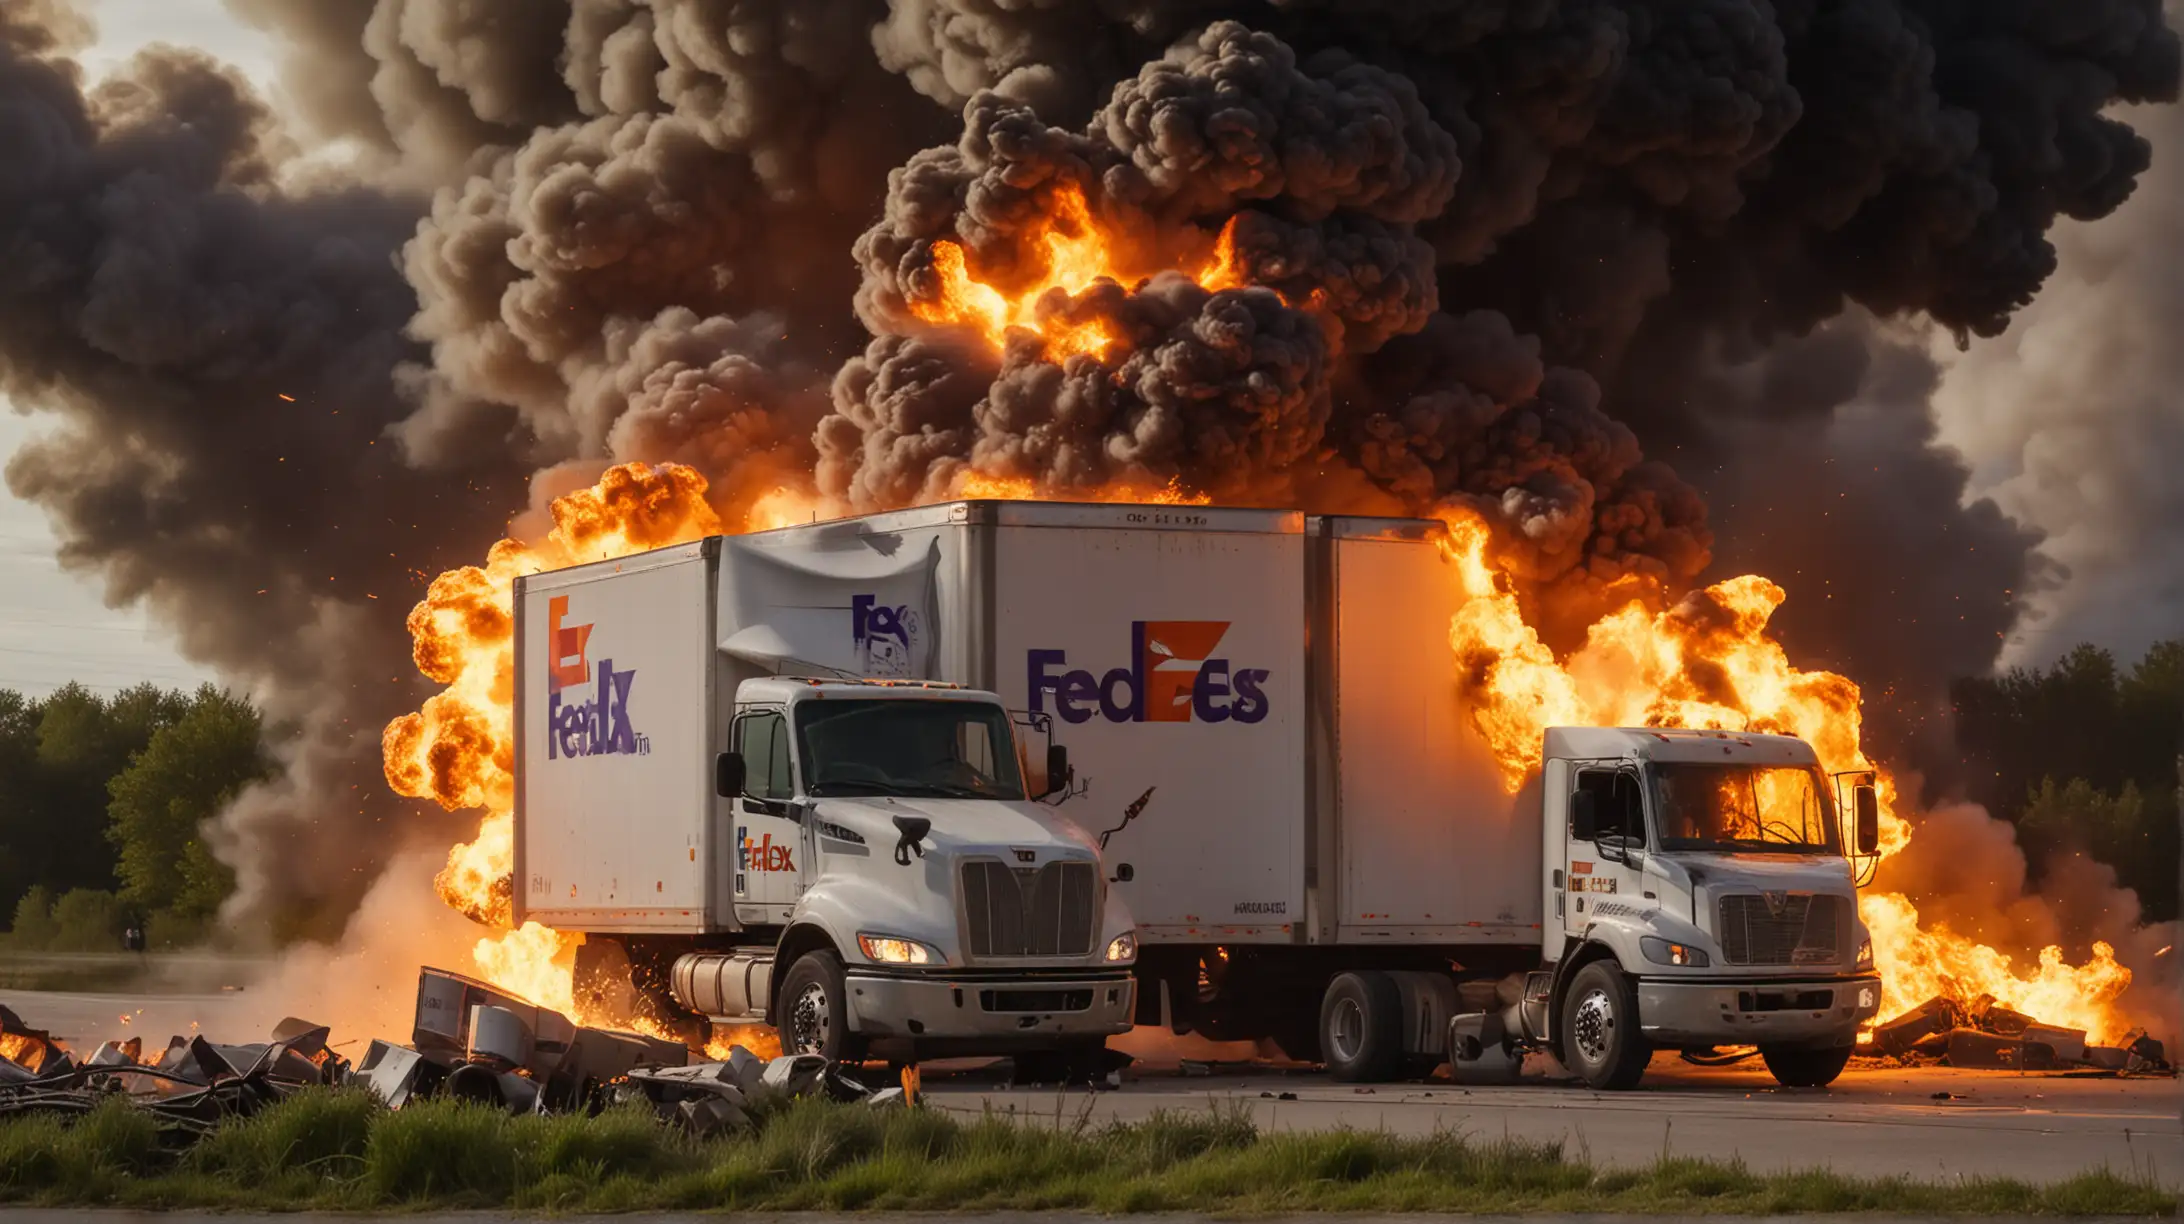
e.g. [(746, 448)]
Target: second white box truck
[(1303, 838)]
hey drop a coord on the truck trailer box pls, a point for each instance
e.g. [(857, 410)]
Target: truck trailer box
[(615, 720), (1165, 647), (1420, 841)]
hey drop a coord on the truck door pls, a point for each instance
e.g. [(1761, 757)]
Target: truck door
[(1607, 868), (768, 839)]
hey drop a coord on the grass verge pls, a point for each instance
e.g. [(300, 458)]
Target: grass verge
[(338, 1150)]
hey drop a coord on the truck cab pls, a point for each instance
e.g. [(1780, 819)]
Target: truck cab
[(1698, 893), (914, 897)]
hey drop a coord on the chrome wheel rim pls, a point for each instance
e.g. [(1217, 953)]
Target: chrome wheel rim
[(808, 1017), (1346, 1037), (1593, 1026)]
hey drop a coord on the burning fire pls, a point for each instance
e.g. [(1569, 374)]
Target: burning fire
[(1707, 663), (1078, 256), (978, 485)]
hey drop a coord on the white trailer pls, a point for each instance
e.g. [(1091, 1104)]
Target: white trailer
[(1269, 746)]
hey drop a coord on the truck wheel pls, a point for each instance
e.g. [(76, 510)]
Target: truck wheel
[(1600, 1036), (814, 1007), (1361, 1027), (1805, 1068)]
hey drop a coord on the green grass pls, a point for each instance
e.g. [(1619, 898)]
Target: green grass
[(338, 1150), (116, 972)]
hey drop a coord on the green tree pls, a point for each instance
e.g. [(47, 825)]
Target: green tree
[(83, 741), (187, 772), (86, 920), (32, 929), (2114, 734), (24, 831)]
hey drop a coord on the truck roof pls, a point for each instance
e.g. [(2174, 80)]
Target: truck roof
[(785, 689), (1677, 744), (1013, 513)]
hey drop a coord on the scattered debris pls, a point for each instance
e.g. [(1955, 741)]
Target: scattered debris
[(1981, 1033), (190, 1087), (470, 1041), (1934, 1017)]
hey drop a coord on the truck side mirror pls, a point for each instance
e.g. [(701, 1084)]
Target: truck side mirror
[(1057, 768), (1585, 815), (1868, 804), (728, 774)]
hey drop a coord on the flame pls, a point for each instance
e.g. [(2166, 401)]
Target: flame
[(979, 485), (24, 1051), (757, 1038), (1708, 664), (1918, 964), (1078, 255)]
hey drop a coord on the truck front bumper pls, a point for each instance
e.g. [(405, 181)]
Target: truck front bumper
[(983, 1014), (1824, 1012)]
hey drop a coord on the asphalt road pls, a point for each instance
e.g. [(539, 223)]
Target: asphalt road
[(1926, 1123)]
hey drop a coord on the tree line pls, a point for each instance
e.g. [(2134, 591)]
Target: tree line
[(103, 802), (2083, 756)]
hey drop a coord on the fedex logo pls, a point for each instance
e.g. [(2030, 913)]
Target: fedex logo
[(1173, 676), (600, 726), (885, 636), (760, 853)]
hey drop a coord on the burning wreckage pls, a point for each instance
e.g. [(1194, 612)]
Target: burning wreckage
[(470, 1042), (1981, 1033)]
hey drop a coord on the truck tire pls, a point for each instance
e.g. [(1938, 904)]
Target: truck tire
[(1601, 1040), (1361, 1027), (1806, 1068), (814, 1007)]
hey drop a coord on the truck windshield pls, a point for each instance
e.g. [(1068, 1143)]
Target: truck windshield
[(927, 749), (1743, 807)]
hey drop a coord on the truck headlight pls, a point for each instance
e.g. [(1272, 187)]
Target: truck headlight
[(895, 950), (1865, 952), (1123, 948), (1664, 952)]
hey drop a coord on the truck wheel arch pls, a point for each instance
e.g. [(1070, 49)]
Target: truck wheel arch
[(1577, 952), (795, 942)]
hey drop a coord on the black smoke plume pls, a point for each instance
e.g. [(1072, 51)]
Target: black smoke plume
[(1570, 262)]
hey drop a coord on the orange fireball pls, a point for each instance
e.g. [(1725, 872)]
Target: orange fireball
[(1078, 255)]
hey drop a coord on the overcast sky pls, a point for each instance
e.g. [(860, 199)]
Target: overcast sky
[(54, 627)]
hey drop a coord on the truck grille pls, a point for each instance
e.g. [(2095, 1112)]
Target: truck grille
[(1783, 929), (1030, 911)]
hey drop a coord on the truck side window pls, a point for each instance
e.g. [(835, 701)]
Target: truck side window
[(1621, 811), (763, 739), (1629, 805)]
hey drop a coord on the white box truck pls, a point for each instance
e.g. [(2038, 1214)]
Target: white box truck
[(860, 864), (1269, 743)]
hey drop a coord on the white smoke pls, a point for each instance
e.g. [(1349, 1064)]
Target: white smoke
[(2073, 418)]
